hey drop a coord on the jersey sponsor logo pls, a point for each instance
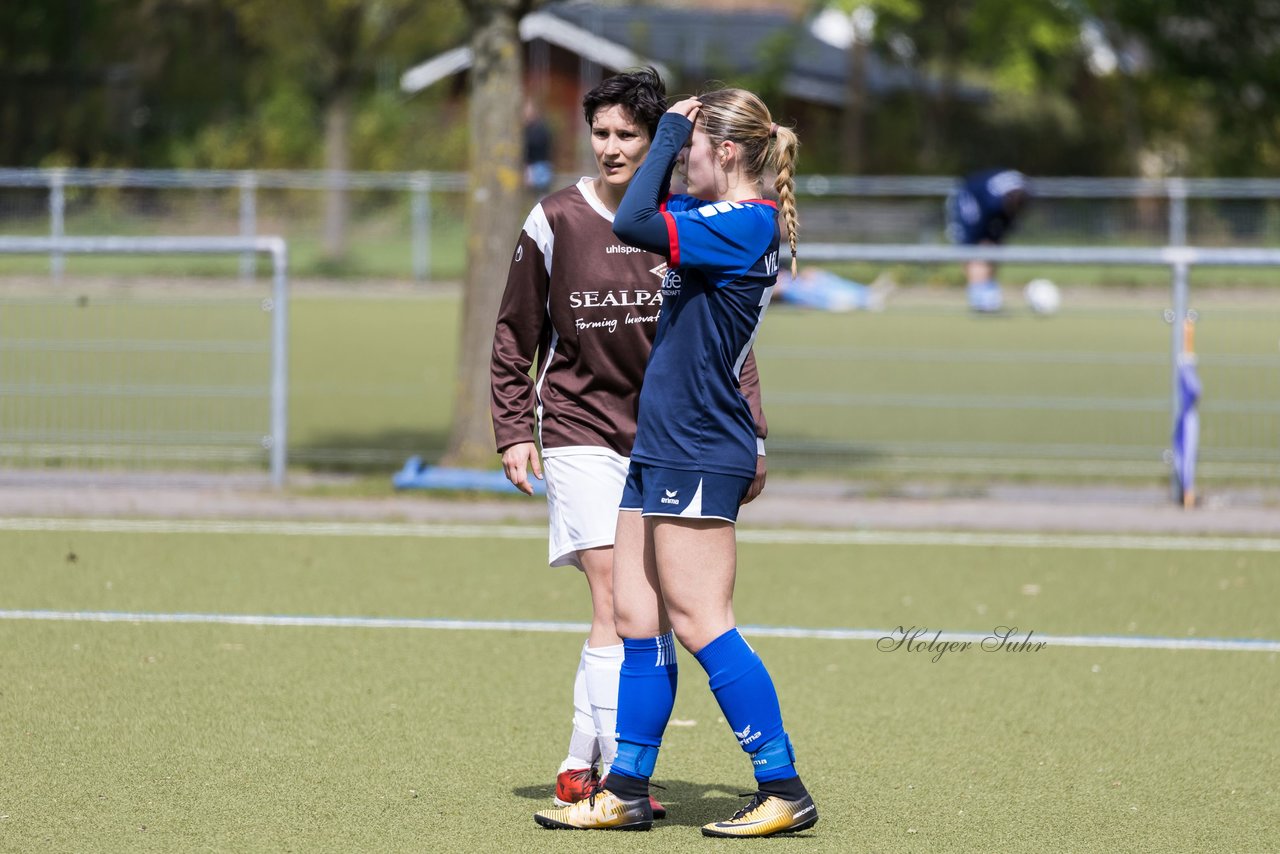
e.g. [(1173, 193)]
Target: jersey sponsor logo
[(610, 324), (771, 263), (611, 299), (621, 249), (670, 496), (671, 284)]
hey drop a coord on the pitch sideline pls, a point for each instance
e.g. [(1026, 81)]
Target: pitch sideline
[(800, 632), (980, 539)]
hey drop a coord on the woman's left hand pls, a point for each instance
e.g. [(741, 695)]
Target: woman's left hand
[(757, 483)]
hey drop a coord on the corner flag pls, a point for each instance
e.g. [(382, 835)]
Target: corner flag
[(1186, 429)]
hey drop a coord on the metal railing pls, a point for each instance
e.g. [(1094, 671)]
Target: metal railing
[(1173, 196)]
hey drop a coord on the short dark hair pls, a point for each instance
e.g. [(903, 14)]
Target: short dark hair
[(641, 92)]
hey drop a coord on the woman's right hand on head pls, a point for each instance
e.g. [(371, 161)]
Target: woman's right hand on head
[(688, 108), (516, 460)]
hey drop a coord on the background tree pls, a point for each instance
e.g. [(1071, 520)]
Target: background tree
[(1208, 80), (495, 210), (94, 82), (331, 49), (995, 66)]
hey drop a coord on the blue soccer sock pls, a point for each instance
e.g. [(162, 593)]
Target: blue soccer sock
[(646, 696), (746, 695)]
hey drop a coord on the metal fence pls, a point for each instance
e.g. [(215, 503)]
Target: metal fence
[(1243, 439), (144, 377), (410, 225)]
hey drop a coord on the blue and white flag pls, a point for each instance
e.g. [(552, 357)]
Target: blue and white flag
[(1186, 430)]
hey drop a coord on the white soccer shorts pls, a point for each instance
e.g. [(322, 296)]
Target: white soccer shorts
[(583, 491)]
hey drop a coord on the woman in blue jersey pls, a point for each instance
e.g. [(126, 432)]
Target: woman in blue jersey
[(694, 457)]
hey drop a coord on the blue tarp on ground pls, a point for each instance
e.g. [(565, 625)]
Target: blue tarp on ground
[(417, 475)]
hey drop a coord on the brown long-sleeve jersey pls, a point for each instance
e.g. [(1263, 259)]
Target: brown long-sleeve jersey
[(584, 306)]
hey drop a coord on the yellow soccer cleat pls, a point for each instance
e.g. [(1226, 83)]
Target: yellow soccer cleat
[(601, 811), (766, 815)]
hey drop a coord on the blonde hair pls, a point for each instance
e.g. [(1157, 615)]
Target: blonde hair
[(740, 116)]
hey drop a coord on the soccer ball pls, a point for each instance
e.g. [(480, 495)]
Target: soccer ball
[(1042, 296)]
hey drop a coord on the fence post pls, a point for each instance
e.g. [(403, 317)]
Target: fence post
[(57, 220), (420, 189), (279, 440), (248, 222), (1177, 188)]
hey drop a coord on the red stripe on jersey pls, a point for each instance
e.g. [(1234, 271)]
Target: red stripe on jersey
[(672, 238)]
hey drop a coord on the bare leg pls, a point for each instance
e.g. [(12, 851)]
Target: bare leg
[(696, 567), (597, 566), (637, 595)]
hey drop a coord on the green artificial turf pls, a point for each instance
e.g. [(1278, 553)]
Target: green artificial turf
[(135, 736)]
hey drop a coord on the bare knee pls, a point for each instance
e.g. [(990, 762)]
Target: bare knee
[(694, 631)]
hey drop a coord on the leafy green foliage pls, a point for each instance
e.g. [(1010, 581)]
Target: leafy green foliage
[(1190, 89)]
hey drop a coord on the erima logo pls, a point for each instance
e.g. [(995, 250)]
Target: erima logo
[(746, 737), (669, 496)]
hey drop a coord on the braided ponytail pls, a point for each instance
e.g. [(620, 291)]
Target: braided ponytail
[(785, 146)]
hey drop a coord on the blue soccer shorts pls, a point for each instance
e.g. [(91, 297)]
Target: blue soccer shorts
[(657, 491)]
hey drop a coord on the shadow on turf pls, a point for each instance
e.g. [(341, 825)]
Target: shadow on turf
[(690, 804)]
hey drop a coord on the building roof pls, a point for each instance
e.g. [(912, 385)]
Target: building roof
[(537, 25), (704, 43), (694, 44)]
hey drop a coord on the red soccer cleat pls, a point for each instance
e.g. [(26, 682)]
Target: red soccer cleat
[(575, 785)]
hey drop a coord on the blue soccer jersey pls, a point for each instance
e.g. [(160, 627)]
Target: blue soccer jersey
[(976, 211), (724, 264)]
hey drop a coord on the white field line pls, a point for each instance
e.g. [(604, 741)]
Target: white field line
[(881, 636), (1149, 542)]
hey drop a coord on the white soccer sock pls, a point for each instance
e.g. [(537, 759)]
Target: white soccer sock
[(584, 747), (604, 664)]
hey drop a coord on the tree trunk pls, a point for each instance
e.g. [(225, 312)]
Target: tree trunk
[(495, 213), (337, 159), (853, 118)]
